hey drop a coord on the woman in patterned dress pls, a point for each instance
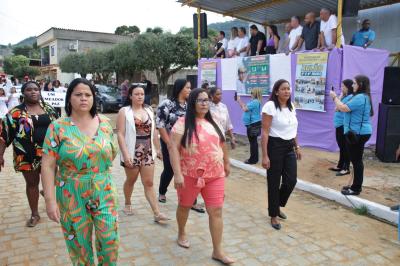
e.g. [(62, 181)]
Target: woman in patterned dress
[(81, 146), (200, 161), (25, 128), (139, 144)]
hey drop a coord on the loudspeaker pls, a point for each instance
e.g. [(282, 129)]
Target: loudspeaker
[(391, 86), (193, 80), (203, 26), (388, 133), (350, 8)]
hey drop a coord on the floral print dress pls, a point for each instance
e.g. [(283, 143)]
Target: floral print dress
[(85, 191)]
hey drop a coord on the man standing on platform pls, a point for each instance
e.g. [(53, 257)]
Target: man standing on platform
[(329, 24), (365, 36), (295, 33), (221, 46), (310, 33), (257, 42), (284, 48)]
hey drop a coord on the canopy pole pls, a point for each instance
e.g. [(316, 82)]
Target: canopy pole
[(198, 34), (339, 31)]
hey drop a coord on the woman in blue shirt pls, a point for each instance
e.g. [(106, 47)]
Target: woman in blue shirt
[(343, 166), (252, 119), (357, 128)]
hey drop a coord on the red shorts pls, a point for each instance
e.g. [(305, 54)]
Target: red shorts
[(212, 192)]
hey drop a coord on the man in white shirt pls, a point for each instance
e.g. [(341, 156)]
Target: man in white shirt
[(328, 30), (241, 49), (295, 33), (222, 46)]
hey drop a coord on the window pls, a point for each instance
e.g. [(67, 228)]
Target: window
[(52, 48)]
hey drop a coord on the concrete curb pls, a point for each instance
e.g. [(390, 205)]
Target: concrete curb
[(375, 209)]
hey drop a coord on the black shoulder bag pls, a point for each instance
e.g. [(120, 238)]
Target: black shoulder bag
[(255, 128), (352, 137)]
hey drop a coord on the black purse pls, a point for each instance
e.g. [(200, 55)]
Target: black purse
[(255, 128), (352, 137)]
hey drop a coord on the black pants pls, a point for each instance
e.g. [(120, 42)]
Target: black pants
[(344, 160), (356, 152), (282, 164), (253, 146), (167, 173)]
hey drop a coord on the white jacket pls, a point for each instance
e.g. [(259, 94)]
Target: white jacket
[(130, 131)]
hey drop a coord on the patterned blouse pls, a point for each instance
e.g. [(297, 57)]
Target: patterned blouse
[(220, 114), (168, 113), (205, 154), (17, 128)]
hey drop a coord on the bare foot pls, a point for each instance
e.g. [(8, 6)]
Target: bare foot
[(183, 242), (222, 258)]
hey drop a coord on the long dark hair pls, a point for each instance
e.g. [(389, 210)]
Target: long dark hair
[(274, 30), (46, 86), (348, 83), (130, 91), (274, 97), (364, 87), (178, 87), (72, 86), (190, 120)]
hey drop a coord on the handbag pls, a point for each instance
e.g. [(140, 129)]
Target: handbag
[(352, 137), (255, 128)]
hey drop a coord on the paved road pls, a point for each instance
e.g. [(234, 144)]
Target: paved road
[(317, 232)]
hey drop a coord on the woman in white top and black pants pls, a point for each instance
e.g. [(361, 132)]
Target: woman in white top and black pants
[(280, 149)]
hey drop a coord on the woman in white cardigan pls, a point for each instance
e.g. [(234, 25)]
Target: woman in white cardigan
[(139, 145)]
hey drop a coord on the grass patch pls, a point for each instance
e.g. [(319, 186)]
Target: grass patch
[(362, 210)]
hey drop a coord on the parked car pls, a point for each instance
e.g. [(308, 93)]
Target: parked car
[(108, 98)]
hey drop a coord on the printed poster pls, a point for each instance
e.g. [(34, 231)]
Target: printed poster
[(253, 73), (311, 81), (209, 74)]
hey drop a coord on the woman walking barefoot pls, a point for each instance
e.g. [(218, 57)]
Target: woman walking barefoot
[(139, 145)]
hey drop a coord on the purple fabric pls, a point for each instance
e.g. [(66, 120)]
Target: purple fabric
[(371, 63), (316, 129)]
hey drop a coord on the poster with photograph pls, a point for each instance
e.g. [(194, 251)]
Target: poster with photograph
[(253, 73), (311, 81), (209, 74)]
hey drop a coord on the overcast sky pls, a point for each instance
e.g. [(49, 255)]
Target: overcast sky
[(20, 19)]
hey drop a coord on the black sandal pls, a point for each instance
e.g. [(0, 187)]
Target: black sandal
[(334, 169), (33, 221), (198, 209)]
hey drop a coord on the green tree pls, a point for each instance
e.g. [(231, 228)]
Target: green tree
[(27, 50), (157, 30), (29, 71), (11, 63), (75, 63), (165, 54), (123, 59), (99, 63), (207, 45), (126, 30)]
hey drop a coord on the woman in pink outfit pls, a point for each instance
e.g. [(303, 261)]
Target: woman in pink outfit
[(200, 161)]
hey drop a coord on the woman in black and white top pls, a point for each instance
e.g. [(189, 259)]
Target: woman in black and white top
[(279, 149)]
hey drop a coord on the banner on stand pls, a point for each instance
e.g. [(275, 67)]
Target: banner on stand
[(209, 74), (253, 73), (311, 81)]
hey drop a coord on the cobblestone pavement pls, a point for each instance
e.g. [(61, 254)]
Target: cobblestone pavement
[(318, 232)]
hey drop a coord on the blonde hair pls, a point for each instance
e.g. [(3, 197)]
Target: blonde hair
[(257, 94)]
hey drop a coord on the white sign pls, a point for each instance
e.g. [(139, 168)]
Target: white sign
[(55, 99)]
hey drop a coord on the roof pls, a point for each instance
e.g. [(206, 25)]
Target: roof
[(273, 11)]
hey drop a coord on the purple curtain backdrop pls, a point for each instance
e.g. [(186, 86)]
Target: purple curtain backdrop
[(316, 128), (371, 63)]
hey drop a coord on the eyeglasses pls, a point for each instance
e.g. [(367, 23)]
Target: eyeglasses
[(203, 101)]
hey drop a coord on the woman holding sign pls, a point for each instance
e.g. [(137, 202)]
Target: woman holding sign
[(25, 127)]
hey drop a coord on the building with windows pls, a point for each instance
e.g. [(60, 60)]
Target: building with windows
[(56, 43)]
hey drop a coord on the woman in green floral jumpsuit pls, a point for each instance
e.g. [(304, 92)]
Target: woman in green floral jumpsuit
[(82, 146)]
